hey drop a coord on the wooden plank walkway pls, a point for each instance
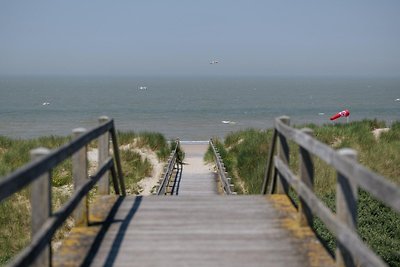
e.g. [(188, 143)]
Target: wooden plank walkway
[(197, 179), (196, 228), (189, 231)]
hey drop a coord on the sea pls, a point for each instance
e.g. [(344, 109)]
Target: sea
[(187, 107)]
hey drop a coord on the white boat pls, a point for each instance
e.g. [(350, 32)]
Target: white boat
[(228, 122), (142, 87)]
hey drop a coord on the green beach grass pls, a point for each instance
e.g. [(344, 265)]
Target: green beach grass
[(15, 218), (245, 156)]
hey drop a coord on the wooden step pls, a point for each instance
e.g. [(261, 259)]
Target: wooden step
[(192, 231)]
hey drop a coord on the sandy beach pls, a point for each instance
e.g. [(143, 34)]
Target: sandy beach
[(147, 183)]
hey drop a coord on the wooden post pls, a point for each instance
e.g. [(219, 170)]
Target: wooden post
[(41, 205), (104, 148), (118, 161), (267, 183), (307, 177), (346, 207), (79, 174), (283, 154)]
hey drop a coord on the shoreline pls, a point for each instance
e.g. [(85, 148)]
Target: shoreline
[(221, 130)]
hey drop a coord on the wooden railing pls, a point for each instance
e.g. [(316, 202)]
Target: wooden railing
[(174, 163), (45, 222), (225, 181), (351, 175)]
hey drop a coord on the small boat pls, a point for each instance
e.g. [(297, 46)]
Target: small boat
[(228, 122), (45, 103), (142, 87)]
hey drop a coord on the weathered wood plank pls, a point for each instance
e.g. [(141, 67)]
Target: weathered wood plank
[(228, 188), (80, 176), (347, 237), (118, 162), (306, 170), (25, 175), (267, 183), (346, 208), (376, 184), (104, 151), (168, 171), (49, 227), (195, 231), (41, 206), (197, 177), (283, 154)]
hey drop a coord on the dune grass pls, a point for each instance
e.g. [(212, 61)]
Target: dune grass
[(15, 218), (245, 153), (155, 141)]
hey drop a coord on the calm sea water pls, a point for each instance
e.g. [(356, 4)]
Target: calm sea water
[(191, 108)]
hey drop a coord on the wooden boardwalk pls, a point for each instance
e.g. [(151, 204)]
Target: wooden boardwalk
[(197, 179), (190, 231), (196, 228)]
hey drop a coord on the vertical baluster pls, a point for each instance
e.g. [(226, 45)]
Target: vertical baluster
[(267, 183), (283, 154), (41, 205), (118, 160), (104, 148), (307, 177), (79, 174), (346, 207)]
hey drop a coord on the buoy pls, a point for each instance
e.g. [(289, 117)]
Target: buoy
[(344, 113)]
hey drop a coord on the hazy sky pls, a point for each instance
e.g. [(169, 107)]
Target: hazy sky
[(145, 37)]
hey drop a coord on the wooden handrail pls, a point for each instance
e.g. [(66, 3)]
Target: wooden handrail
[(351, 175), (117, 159), (169, 169), (379, 186), (20, 178), (35, 171), (44, 235), (346, 236), (222, 173), (268, 173)]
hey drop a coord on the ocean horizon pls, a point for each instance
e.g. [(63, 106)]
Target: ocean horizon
[(188, 107)]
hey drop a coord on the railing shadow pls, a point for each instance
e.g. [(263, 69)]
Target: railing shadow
[(178, 178), (119, 236)]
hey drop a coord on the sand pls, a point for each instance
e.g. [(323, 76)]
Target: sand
[(147, 183), (377, 132)]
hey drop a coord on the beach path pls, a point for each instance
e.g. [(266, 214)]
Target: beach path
[(198, 178), (195, 228)]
